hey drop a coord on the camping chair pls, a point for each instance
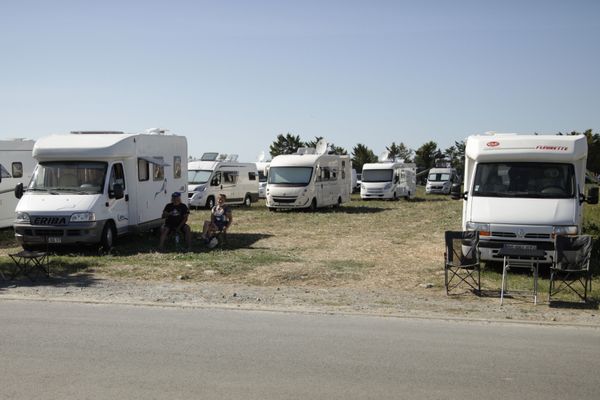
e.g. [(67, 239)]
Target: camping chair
[(571, 266), (461, 260)]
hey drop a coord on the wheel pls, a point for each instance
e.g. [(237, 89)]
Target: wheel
[(313, 205), (395, 196), (339, 202), (272, 209), (247, 201), (107, 240), (210, 202)]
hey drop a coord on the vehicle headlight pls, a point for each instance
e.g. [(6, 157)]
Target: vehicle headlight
[(484, 229), (200, 189), (23, 218), (362, 187), (564, 230), (83, 217), (387, 186)]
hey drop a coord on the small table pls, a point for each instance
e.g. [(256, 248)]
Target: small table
[(520, 256), (26, 261)]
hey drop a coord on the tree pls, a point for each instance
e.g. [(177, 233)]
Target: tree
[(288, 144), (399, 151), (426, 155), (313, 143), (456, 155), (361, 155), (340, 151)]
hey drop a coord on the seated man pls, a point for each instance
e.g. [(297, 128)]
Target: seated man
[(220, 219), (176, 214)]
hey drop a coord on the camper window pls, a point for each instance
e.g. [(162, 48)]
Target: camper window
[(158, 171), (216, 180), (17, 170), (143, 170), (117, 177), (177, 167), (252, 176), (230, 177)]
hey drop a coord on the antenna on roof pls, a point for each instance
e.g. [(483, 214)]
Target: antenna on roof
[(322, 147), (384, 156), (156, 131)]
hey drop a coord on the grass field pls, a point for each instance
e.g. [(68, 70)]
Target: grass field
[(367, 244)]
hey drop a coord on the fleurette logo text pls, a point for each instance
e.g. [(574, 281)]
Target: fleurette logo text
[(555, 148)]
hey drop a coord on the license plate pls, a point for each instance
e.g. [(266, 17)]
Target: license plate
[(53, 239)]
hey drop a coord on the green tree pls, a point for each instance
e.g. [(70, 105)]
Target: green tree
[(333, 149), (426, 155), (313, 143), (361, 155), (399, 151), (456, 155), (288, 144)]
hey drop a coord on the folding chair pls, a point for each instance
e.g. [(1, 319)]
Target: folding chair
[(571, 266), (461, 260)]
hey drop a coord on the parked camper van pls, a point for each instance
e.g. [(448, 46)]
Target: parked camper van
[(440, 180), (221, 173), (89, 187), (523, 189), (262, 165), (309, 179), (16, 164), (388, 179)]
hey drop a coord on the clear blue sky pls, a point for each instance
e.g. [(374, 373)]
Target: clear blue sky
[(231, 75)]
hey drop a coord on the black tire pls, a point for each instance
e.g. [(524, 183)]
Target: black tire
[(339, 202), (109, 234), (247, 201), (313, 205), (395, 196), (272, 209), (210, 202)]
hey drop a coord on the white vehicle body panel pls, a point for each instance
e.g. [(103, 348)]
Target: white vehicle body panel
[(329, 184), (398, 180), (149, 167), (18, 165), (509, 217), (236, 180)]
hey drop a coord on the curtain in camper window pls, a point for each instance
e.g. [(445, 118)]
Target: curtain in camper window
[(17, 170), (143, 170), (158, 170), (177, 167)]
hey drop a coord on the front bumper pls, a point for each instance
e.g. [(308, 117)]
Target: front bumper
[(85, 233)]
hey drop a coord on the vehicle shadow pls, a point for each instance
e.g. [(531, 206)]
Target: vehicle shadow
[(592, 304)]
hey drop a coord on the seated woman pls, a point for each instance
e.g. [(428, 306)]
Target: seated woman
[(220, 219)]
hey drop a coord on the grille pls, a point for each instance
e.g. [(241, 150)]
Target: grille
[(504, 234), (286, 200), (49, 220), (537, 236), (48, 232)]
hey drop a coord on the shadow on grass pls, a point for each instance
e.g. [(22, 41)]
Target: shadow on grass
[(62, 274)]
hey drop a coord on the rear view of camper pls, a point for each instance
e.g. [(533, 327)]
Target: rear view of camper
[(218, 174), (388, 179), (16, 166), (90, 187), (311, 178)]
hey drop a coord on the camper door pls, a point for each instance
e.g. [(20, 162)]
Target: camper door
[(118, 198)]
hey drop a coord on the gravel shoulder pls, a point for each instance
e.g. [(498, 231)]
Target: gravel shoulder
[(421, 303)]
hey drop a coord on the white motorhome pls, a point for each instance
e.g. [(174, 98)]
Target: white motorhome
[(221, 173), (388, 179), (17, 165), (309, 179), (262, 165), (440, 180), (523, 189), (89, 187)]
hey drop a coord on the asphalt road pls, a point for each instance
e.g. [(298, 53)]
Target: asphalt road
[(80, 351)]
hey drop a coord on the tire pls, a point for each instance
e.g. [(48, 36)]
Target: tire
[(107, 240), (313, 205), (247, 201), (210, 202), (272, 209), (395, 196), (339, 202)]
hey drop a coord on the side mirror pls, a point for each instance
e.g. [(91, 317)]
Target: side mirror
[(455, 192), (117, 192), (592, 195), (19, 191)]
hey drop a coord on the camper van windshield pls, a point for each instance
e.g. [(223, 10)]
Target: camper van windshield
[(377, 175), (299, 176), (69, 177), (532, 180), (197, 177), (439, 177)]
